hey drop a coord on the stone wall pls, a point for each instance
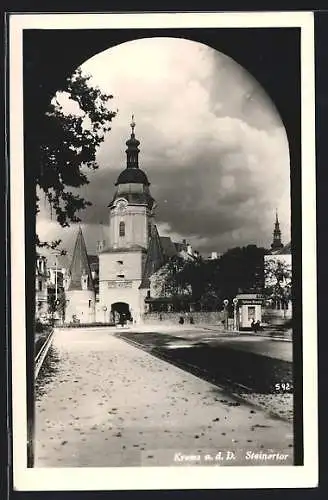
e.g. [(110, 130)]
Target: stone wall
[(166, 318)]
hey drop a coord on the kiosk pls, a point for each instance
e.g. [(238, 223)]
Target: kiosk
[(249, 309)]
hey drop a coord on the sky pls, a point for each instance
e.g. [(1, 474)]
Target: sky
[(212, 144)]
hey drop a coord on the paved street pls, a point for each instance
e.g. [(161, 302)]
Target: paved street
[(257, 344), (108, 403)]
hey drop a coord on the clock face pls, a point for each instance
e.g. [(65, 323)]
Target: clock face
[(121, 204)]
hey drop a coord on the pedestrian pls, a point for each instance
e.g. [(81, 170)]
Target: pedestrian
[(181, 320), (253, 327), (258, 326), (191, 320)]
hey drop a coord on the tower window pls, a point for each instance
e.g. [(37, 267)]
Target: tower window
[(89, 303), (122, 229)]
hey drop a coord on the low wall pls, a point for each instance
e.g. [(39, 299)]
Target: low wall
[(199, 318), (276, 317), (83, 325)]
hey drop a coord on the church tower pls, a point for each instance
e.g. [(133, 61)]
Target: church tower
[(79, 287), (276, 242), (122, 262)]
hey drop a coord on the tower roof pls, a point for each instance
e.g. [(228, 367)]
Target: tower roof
[(155, 257), (80, 264), (132, 174), (286, 250), (276, 242)]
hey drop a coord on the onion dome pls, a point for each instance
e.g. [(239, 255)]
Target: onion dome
[(132, 174)]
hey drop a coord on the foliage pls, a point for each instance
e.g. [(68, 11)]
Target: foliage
[(209, 282), (57, 305), (278, 280), (241, 270), (68, 146), (165, 282), (40, 327)]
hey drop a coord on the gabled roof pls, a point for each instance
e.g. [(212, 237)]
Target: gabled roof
[(80, 264), (180, 246), (286, 250), (155, 258), (168, 247)]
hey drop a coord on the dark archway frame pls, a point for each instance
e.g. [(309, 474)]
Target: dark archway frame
[(123, 309), (271, 55)]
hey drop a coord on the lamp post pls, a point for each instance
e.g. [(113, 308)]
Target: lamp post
[(235, 320), (225, 304), (56, 278), (56, 253), (104, 309)]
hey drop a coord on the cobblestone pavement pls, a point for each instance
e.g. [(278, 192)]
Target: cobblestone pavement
[(108, 403)]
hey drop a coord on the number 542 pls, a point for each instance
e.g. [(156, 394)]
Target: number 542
[(284, 386)]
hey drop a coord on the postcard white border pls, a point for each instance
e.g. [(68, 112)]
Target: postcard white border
[(52, 479)]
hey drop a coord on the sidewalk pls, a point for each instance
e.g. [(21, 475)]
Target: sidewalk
[(111, 404), (271, 334)]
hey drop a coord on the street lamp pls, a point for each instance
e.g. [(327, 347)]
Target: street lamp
[(104, 309), (235, 304), (225, 304), (56, 253)]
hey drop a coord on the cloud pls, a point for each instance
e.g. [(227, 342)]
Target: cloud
[(212, 143)]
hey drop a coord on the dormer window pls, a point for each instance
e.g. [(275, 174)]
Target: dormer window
[(122, 229), (121, 275), (84, 282)]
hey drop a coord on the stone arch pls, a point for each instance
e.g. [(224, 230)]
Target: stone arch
[(120, 312)]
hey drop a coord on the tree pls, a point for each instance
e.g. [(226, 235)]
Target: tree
[(278, 281), (166, 281), (209, 282), (68, 146), (242, 270), (57, 305)]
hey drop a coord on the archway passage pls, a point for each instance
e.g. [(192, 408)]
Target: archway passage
[(120, 312)]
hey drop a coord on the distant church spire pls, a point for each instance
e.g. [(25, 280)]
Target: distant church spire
[(132, 151), (276, 242), (80, 265)]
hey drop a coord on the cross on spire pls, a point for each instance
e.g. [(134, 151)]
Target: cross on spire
[(132, 124), (132, 150)]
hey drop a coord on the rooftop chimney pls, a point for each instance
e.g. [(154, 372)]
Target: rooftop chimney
[(100, 245)]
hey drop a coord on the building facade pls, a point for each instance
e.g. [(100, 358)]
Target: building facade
[(122, 261), (113, 285), (79, 286), (278, 279), (41, 287)]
